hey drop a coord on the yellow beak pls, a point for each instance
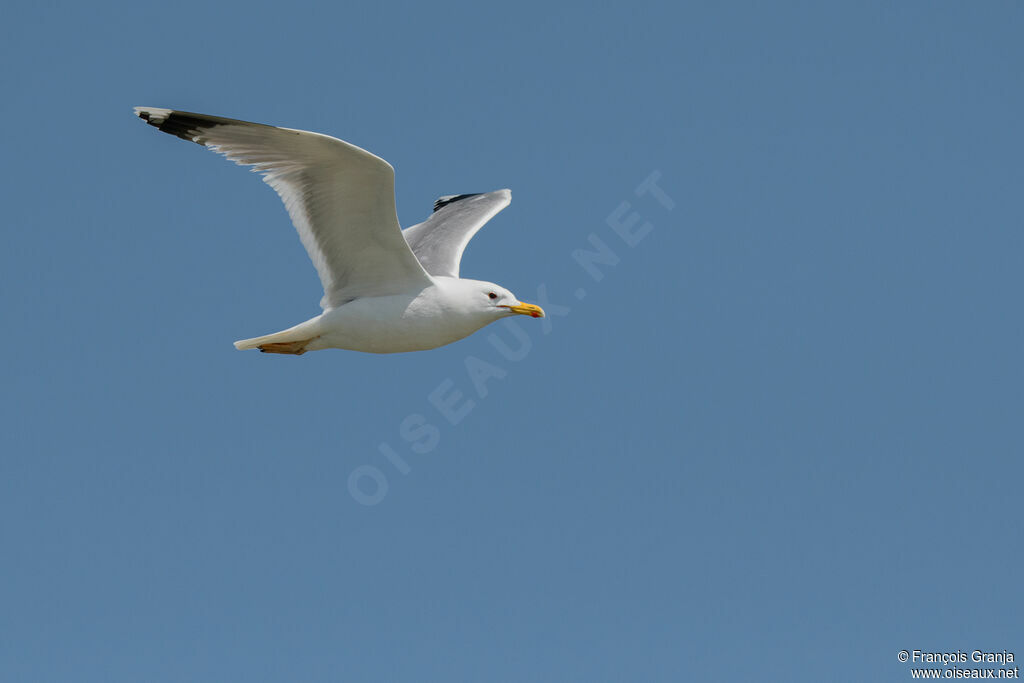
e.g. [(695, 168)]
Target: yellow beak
[(531, 310)]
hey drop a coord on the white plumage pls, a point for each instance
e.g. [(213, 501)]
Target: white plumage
[(384, 291)]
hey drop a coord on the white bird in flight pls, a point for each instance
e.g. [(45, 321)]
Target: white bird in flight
[(386, 290)]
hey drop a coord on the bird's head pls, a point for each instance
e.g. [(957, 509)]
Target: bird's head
[(495, 300)]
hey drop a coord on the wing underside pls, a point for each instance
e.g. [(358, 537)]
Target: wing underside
[(439, 241), (340, 198)]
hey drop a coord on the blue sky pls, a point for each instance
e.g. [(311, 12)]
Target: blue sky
[(779, 439)]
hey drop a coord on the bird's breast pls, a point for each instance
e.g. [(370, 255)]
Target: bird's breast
[(393, 324)]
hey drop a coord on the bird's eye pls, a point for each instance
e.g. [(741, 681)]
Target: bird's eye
[(492, 295)]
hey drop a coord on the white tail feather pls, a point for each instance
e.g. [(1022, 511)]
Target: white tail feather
[(301, 332)]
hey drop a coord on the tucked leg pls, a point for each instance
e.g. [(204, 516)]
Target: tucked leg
[(295, 348)]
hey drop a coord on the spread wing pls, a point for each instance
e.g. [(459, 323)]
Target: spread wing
[(439, 241), (341, 199)]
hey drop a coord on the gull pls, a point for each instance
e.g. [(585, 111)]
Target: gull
[(386, 290)]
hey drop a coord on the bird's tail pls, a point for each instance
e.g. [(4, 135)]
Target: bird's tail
[(294, 340)]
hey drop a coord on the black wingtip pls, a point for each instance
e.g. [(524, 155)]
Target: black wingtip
[(178, 123), (445, 201)]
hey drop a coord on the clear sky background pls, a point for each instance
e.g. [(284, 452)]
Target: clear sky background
[(779, 439)]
